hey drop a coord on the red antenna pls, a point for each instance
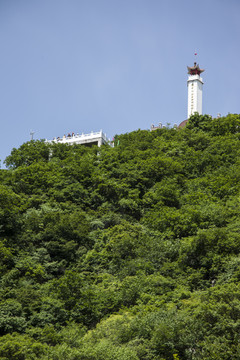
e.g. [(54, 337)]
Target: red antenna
[(195, 56)]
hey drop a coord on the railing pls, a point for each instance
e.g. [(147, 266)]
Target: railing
[(74, 137)]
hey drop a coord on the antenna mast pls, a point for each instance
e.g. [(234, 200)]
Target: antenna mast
[(31, 134), (195, 56)]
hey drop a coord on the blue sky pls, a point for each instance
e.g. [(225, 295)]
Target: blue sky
[(117, 65)]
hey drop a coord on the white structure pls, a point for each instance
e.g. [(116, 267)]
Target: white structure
[(94, 138), (153, 127), (194, 84)]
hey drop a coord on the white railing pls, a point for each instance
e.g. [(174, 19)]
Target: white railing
[(71, 138)]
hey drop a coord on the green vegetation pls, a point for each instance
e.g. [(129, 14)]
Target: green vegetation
[(125, 253)]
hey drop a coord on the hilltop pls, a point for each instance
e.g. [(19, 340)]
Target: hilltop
[(124, 253)]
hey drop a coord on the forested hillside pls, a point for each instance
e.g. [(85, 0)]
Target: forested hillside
[(124, 253)]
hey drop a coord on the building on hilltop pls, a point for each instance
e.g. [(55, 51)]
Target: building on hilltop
[(94, 138), (160, 126), (195, 85)]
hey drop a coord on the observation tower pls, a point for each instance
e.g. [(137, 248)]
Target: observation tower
[(194, 84)]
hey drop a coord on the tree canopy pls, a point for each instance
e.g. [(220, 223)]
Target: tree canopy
[(124, 253)]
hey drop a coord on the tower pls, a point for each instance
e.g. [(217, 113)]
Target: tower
[(194, 84)]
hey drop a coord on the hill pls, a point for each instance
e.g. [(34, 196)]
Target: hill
[(125, 253)]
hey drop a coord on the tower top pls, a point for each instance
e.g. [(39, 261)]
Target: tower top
[(194, 70)]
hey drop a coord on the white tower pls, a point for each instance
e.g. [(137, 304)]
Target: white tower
[(195, 84)]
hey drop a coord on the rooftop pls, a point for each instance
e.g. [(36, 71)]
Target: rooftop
[(93, 138), (195, 69)]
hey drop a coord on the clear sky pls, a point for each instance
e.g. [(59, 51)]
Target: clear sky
[(116, 65)]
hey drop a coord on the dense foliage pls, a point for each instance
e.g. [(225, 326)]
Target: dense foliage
[(124, 253)]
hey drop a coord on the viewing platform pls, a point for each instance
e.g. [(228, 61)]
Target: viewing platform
[(94, 138), (160, 126)]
